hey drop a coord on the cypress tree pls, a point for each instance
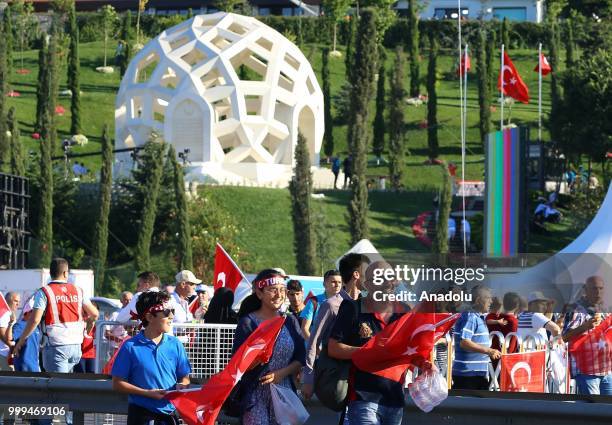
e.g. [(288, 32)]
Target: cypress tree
[(45, 214), (505, 34), (569, 45), (300, 188), (154, 163), (53, 81), (484, 97), (432, 98), (4, 142), (358, 134), (42, 86), (184, 250), (328, 138), (350, 43), (556, 100), (491, 55), (9, 40), (100, 239), (413, 48), (16, 149), (440, 243), (378, 144), (396, 120), (126, 53), (73, 75)]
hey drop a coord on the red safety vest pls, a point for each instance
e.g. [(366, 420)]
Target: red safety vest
[(64, 323)]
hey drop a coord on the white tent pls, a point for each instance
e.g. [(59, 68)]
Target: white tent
[(364, 246), (561, 276)]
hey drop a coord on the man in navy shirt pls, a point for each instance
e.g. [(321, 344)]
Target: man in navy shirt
[(151, 363)]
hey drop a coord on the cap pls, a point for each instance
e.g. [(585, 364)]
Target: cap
[(186, 276), (536, 296)]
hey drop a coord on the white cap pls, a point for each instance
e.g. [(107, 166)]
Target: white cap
[(186, 276), (536, 296)]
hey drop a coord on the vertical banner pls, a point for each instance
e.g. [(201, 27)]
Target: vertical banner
[(504, 192)]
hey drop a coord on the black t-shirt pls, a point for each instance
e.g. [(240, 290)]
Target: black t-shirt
[(355, 327)]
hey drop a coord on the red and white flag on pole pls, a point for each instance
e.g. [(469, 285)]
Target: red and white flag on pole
[(523, 372), (510, 82), (202, 406), (4, 307), (408, 340), (466, 65), (546, 69), (228, 274)]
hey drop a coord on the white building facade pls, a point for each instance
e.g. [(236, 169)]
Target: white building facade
[(514, 10)]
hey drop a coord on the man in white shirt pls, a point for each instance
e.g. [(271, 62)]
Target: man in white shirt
[(534, 320), (7, 320), (147, 281), (185, 286)]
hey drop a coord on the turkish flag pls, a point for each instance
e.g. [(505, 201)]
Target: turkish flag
[(193, 305), (3, 306), (466, 64), (228, 274), (523, 372), (546, 69), (202, 405), (593, 350), (513, 84), (408, 340)]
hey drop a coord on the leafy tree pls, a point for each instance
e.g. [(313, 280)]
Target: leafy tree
[(126, 37), (505, 34), (413, 48), (432, 98), (335, 10), (74, 75), (328, 142), (484, 96), (379, 117), (100, 239), (396, 120), (24, 23), (440, 243), (569, 45), (154, 166), (45, 214), (300, 188), (358, 134), (108, 15), (385, 16), (228, 5), (16, 149), (142, 4), (184, 249)]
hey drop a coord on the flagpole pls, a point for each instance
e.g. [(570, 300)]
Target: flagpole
[(501, 125), (464, 116), (232, 261), (540, 93)]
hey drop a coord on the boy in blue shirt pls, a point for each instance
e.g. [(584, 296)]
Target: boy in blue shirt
[(332, 282), (27, 361), (151, 363)]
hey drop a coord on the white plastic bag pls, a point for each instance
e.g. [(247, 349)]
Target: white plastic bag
[(429, 389), (288, 407)]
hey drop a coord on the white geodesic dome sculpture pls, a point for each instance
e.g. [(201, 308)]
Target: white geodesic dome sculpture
[(228, 88)]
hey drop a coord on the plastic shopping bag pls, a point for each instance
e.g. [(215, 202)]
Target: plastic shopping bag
[(288, 407), (429, 389)]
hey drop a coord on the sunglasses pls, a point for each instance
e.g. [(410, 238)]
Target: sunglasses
[(167, 312)]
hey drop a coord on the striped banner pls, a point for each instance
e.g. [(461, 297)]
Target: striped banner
[(502, 190)]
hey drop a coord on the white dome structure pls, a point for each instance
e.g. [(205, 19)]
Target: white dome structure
[(230, 90)]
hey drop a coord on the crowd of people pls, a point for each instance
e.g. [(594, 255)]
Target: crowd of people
[(332, 326)]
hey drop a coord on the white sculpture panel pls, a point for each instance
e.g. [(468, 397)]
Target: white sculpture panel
[(231, 90)]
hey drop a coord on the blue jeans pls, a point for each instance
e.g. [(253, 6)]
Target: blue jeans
[(593, 384), (369, 413), (62, 358)]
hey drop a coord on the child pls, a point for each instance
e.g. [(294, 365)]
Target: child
[(151, 363)]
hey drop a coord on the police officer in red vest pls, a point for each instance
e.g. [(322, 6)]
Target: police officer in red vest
[(59, 306)]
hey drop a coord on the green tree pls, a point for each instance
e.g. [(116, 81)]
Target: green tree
[(432, 98), (300, 188), (74, 69), (358, 134), (126, 37), (16, 149), (386, 15), (142, 4), (505, 34), (228, 5), (335, 10), (491, 59), (108, 16), (42, 86), (440, 242), (7, 33), (184, 248), (52, 69), (100, 239), (24, 23), (484, 96), (45, 213), (555, 121), (569, 45), (4, 142), (350, 45), (378, 144), (154, 154), (396, 120), (413, 48), (328, 137)]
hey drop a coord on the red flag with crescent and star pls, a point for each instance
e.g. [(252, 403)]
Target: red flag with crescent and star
[(546, 69), (201, 406), (512, 83), (523, 372), (593, 349), (409, 340)]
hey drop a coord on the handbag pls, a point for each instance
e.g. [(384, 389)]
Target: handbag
[(331, 381)]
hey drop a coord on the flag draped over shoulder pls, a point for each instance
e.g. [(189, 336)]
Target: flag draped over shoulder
[(593, 350), (543, 62), (510, 82), (202, 405), (408, 340)]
